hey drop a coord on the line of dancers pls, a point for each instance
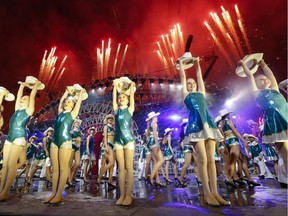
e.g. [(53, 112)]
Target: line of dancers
[(201, 134)]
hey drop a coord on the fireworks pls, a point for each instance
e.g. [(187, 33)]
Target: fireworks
[(48, 74), (230, 35), (107, 63), (170, 48)]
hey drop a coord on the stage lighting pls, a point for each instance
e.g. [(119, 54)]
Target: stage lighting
[(151, 81)]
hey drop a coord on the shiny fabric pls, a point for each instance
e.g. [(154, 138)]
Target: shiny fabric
[(62, 128), (17, 125), (123, 132), (110, 136), (48, 144), (102, 151), (187, 149), (231, 138), (201, 125), (167, 151), (151, 142), (254, 149), (31, 151), (270, 153), (275, 115), (143, 152), (76, 134)]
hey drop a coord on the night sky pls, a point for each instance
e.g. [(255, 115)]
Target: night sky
[(76, 28)]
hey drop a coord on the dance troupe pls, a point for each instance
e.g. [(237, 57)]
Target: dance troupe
[(201, 137)]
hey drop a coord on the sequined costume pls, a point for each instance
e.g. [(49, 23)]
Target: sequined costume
[(123, 132), (200, 126), (76, 139), (110, 135), (275, 115), (231, 138), (17, 128), (151, 143), (271, 153), (91, 150), (167, 153), (62, 128)]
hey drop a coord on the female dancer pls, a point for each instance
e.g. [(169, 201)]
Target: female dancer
[(274, 108), (15, 143), (202, 133), (76, 135), (61, 147), (232, 143), (124, 140), (187, 149), (30, 154), (154, 147), (6, 95), (108, 143), (169, 155), (89, 155)]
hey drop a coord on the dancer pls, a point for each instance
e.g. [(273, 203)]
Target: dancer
[(273, 105), (154, 147), (202, 132), (6, 95), (255, 152), (108, 144), (61, 147), (124, 139), (15, 143), (74, 162), (30, 155), (187, 150), (142, 161), (169, 155), (88, 156)]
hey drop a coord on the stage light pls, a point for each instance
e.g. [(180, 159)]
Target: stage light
[(229, 103), (151, 81), (175, 117)]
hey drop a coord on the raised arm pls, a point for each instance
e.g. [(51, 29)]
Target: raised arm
[(75, 111), (60, 107), (200, 82), (250, 77), (2, 95), (19, 96), (131, 107), (30, 109), (114, 98), (182, 78), (268, 72)]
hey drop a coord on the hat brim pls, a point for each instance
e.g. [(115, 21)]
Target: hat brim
[(283, 85), (9, 97), (31, 85), (156, 114), (252, 63), (187, 62)]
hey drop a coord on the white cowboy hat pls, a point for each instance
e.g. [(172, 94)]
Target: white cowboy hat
[(123, 85), (251, 136), (47, 130), (217, 119), (30, 82), (108, 116), (9, 96), (33, 137), (167, 130), (151, 115), (75, 90), (187, 60), (284, 85), (224, 112), (77, 120), (251, 61), (92, 128), (184, 121)]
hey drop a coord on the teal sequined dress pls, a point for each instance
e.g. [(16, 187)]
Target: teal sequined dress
[(76, 135), (231, 138), (201, 125), (275, 115), (151, 142), (62, 128), (271, 153), (17, 125), (123, 133)]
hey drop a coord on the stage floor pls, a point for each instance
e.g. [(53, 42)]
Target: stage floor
[(89, 199)]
